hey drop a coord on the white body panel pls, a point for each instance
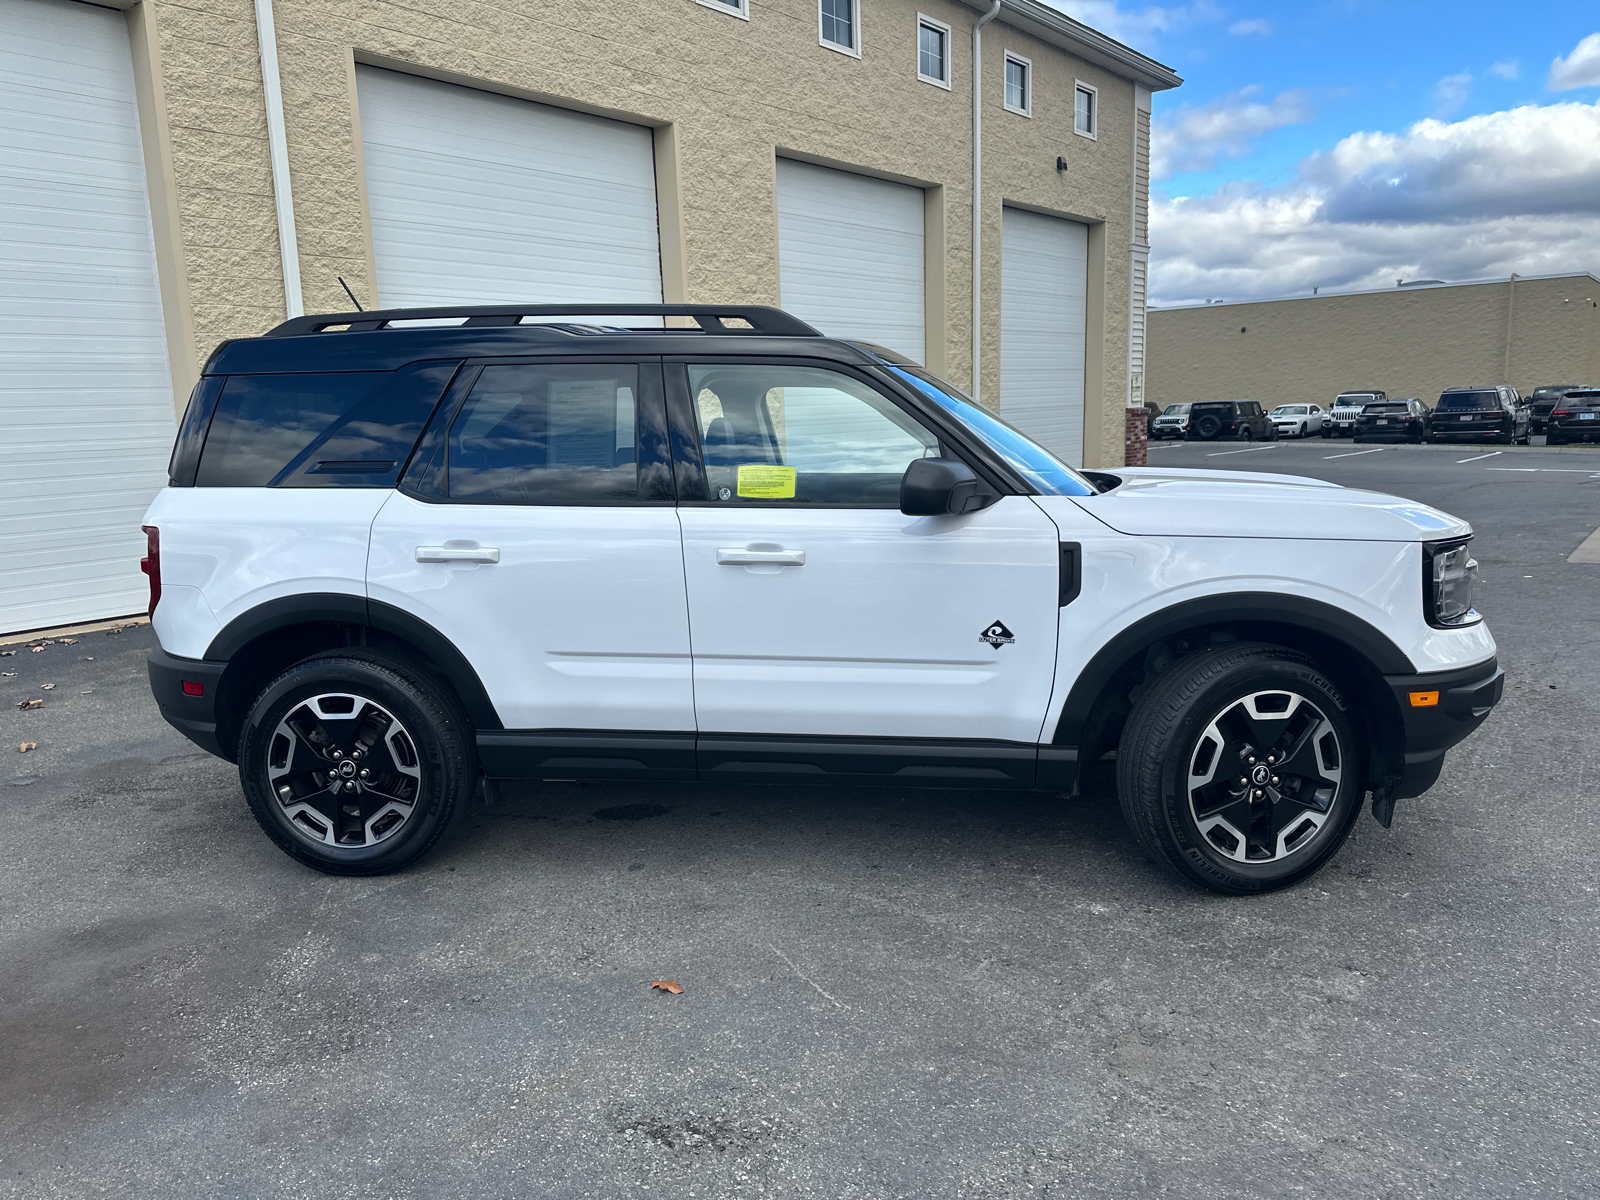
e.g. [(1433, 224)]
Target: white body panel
[(581, 624), (240, 547), (850, 255), (878, 634), (85, 391), (1044, 306), (477, 198)]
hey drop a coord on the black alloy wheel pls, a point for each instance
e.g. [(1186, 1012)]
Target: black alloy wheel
[(355, 762), (1208, 426), (1241, 768)]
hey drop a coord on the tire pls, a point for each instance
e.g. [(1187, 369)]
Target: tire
[(1207, 427), (1219, 703), (1243, 435), (335, 716), (1507, 439), (1327, 431), (1554, 439)]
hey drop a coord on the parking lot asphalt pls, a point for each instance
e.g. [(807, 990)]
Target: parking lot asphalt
[(887, 992)]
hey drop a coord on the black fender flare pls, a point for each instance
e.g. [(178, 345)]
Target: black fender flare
[(1257, 608), (343, 609)]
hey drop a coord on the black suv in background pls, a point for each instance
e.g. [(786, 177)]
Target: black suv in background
[(1393, 421), (1543, 400), (1213, 420), (1575, 419), (1486, 414)]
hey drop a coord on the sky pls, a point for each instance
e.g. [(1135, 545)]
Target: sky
[(1352, 143)]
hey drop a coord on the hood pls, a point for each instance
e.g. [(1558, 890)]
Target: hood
[(1163, 502)]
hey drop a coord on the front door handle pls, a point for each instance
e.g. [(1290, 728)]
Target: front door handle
[(441, 554), (748, 558)]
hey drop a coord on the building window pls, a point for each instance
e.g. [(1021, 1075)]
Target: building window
[(1019, 84), (734, 8), (933, 51), (1085, 105), (841, 29)]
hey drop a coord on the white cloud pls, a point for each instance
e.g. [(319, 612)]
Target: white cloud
[(1255, 25), (1196, 139), (1507, 68), (1450, 93), (1517, 190), (1579, 69), (1139, 25)]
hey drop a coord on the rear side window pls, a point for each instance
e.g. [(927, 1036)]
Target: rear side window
[(1468, 401), (337, 429), (548, 434)]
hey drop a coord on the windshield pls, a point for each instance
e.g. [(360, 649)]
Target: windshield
[(1354, 399), (1043, 470), (1551, 393), (1289, 410), (1174, 410), (1461, 401)]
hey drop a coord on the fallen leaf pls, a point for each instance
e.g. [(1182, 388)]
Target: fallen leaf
[(27, 704), (7, 674), (47, 687), (668, 985), (69, 641), (37, 649), (26, 746), (90, 692), (7, 653)]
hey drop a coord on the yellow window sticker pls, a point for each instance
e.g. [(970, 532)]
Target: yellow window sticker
[(766, 483)]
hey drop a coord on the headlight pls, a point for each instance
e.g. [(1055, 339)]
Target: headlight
[(1448, 573)]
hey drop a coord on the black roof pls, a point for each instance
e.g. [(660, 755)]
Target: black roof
[(386, 339)]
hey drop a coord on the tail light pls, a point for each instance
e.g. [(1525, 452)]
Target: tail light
[(150, 564), (1560, 412)]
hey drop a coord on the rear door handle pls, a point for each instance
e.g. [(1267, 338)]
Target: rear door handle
[(440, 554), (746, 558)]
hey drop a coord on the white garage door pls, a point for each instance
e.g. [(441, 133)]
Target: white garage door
[(477, 198), (86, 420), (850, 255), (1044, 306)]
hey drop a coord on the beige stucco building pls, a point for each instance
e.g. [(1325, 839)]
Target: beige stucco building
[(195, 170), (1408, 341)]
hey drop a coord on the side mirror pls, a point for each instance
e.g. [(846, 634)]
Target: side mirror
[(939, 487)]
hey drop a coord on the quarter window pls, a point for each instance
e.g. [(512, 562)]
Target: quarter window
[(547, 434), (1085, 103), (1019, 85), (802, 435), (839, 26), (933, 51)]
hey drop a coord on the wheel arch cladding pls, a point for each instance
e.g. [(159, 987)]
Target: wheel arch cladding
[(1355, 655), (273, 636)]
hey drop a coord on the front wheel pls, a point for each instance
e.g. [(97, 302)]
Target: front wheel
[(1241, 768), (1327, 431), (356, 763)]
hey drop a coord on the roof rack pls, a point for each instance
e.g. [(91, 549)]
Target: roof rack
[(712, 318)]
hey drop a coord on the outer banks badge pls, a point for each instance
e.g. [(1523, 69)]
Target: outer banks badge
[(997, 635)]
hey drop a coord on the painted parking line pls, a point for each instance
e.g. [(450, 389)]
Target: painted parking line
[(1546, 470), (1352, 453), (1480, 457), (1246, 450)]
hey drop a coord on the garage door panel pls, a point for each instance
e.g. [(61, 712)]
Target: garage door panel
[(478, 198), (1043, 323), (850, 255), (85, 390)]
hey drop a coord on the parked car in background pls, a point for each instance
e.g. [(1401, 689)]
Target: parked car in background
[(1575, 419), (1393, 421), (1244, 420), (1173, 422), (1347, 406), (1152, 410), (1485, 414), (1543, 399), (1297, 420)]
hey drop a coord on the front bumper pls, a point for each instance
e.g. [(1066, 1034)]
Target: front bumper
[(1461, 700), (193, 716)]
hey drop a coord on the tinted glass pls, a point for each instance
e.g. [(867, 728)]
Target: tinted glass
[(1466, 401), (1581, 400), (1386, 409), (1550, 393), (547, 434), (1213, 406), (346, 429), (1044, 472), (802, 435)]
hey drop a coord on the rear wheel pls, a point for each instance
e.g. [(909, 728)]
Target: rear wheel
[(1241, 768), (1244, 433), (356, 763)]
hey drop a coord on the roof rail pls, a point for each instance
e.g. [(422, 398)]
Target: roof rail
[(712, 318)]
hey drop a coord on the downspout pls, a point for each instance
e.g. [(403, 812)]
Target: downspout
[(977, 195), (278, 149), (1511, 310)]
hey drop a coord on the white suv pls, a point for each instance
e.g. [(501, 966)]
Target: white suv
[(397, 563)]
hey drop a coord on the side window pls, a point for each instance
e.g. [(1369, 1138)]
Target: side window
[(547, 434), (802, 435)]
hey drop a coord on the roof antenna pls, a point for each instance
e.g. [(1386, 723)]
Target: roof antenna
[(349, 293)]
